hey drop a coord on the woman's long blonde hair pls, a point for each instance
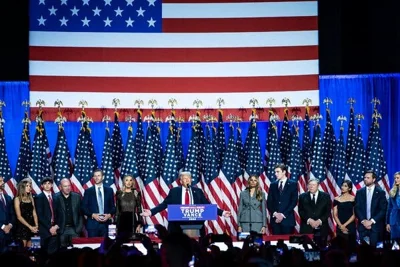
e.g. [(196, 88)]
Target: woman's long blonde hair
[(134, 189), (394, 191), (21, 191)]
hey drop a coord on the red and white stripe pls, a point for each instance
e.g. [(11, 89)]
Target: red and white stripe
[(232, 49)]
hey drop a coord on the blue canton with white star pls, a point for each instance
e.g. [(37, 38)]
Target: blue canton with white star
[(96, 16)]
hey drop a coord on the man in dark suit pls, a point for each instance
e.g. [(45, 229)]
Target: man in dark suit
[(281, 201), (314, 210), (98, 205), (69, 219), (370, 209), (184, 194), (7, 217), (45, 210)]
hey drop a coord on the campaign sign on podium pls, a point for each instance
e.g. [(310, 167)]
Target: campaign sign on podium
[(192, 213)]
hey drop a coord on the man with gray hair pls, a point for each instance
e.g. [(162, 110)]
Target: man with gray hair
[(186, 195), (315, 209)]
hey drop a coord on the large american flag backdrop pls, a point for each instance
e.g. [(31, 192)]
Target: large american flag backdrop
[(186, 49)]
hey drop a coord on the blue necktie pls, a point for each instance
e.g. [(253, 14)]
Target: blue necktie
[(100, 201)]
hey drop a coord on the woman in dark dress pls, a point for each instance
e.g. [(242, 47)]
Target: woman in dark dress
[(129, 207), (343, 214), (27, 220)]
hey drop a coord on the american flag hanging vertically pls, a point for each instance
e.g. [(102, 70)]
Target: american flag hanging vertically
[(140, 148), (285, 138), (117, 151), (40, 160), (375, 158), (5, 169), (179, 148), (220, 142), (338, 166), (85, 161), (356, 166), (211, 182), (151, 193), (295, 169), (107, 161), (194, 156), (170, 171), (328, 150), (24, 161), (351, 136), (230, 173), (62, 163), (317, 164), (272, 153), (192, 49), (307, 145), (241, 156)]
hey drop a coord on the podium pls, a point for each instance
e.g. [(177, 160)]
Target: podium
[(191, 217)]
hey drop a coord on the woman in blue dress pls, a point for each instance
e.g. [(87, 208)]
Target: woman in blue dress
[(393, 211)]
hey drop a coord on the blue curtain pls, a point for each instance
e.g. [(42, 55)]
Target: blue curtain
[(13, 94), (363, 88)]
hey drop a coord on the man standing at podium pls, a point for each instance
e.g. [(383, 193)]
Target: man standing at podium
[(186, 195)]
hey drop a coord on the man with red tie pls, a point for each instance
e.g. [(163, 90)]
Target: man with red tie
[(187, 195), (45, 210)]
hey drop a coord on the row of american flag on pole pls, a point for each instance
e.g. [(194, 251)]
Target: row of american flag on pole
[(220, 168)]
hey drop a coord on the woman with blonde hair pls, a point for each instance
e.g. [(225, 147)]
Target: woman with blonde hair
[(129, 207), (393, 210), (24, 205), (252, 210)]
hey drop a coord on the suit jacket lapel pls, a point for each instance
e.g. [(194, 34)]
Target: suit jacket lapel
[(375, 192), (73, 200), (284, 187), (60, 198)]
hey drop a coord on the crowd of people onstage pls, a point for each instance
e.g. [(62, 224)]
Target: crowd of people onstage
[(367, 217)]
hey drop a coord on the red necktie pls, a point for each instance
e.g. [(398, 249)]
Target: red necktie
[(51, 208), (280, 186), (187, 197)]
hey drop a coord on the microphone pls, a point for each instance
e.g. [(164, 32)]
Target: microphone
[(188, 186)]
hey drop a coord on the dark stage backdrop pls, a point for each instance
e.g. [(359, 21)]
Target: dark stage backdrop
[(362, 88)]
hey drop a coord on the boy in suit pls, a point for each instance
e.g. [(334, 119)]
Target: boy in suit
[(184, 194), (45, 209), (282, 199), (370, 209), (98, 205)]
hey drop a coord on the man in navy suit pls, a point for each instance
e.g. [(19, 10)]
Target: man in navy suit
[(370, 209), (281, 201), (7, 217), (45, 210), (184, 194), (98, 206)]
